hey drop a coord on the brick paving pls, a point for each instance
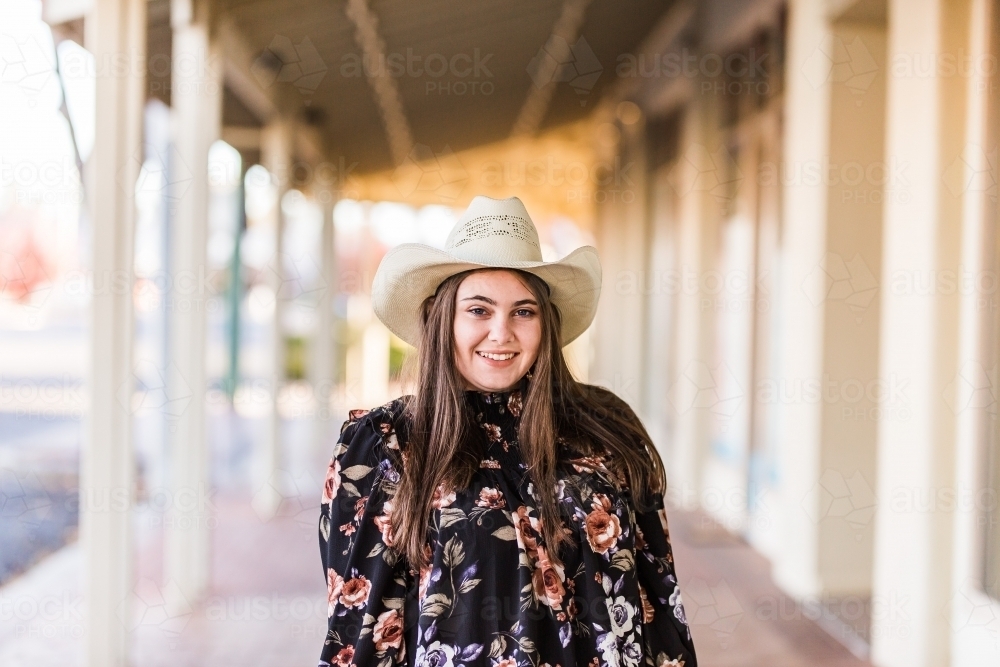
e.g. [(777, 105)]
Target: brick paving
[(266, 605), (737, 615)]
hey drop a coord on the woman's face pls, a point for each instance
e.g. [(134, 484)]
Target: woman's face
[(498, 329)]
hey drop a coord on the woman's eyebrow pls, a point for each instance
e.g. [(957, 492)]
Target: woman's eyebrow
[(523, 302), (479, 297)]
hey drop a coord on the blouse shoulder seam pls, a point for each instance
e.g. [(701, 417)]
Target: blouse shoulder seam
[(370, 425)]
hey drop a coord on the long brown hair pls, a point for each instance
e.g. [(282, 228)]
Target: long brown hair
[(444, 446)]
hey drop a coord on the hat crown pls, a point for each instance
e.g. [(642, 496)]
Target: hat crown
[(491, 233), (497, 229)]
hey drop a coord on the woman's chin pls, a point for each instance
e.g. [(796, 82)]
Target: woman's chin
[(496, 381)]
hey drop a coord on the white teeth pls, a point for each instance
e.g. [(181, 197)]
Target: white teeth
[(497, 357)]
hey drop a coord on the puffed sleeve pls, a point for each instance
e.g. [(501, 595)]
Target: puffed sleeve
[(366, 582), (665, 632)]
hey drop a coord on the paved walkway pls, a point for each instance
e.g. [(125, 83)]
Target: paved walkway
[(267, 603), (737, 615)]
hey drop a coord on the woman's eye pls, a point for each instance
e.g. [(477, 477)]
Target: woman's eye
[(477, 311), (524, 312)]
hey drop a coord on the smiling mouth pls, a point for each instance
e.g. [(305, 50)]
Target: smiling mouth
[(497, 356)]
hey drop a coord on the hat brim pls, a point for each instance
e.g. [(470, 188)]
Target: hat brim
[(411, 272)]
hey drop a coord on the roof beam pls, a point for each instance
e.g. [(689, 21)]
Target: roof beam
[(660, 40), (397, 127), (558, 49), (237, 59)]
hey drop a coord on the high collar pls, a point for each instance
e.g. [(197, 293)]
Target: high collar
[(491, 404)]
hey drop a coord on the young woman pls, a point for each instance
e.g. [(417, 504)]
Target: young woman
[(505, 514)]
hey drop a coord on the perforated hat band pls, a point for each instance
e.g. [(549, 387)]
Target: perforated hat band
[(503, 225), (491, 234)]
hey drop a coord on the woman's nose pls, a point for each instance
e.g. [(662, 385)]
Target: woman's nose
[(500, 331)]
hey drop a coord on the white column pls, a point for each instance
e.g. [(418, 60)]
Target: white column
[(367, 368), (843, 502), (800, 323), (276, 150), (661, 305), (691, 387), (974, 617), (323, 346), (627, 285), (827, 392), (605, 327), (114, 29), (375, 363), (919, 344), (196, 93), (619, 364)]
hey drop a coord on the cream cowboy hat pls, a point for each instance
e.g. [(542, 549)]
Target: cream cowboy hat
[(491, 233)]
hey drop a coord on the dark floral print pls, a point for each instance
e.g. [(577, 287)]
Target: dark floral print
[(442, 498), (490, 498), (334, 584), (493, 432), (491, 594), (355, 592), (332, 484), (603, 527), (388, 631)]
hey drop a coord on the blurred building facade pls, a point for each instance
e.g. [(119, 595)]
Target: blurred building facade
[(810, 263), (795, 205)]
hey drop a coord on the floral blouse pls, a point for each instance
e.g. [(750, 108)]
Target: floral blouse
[(491, 596)]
